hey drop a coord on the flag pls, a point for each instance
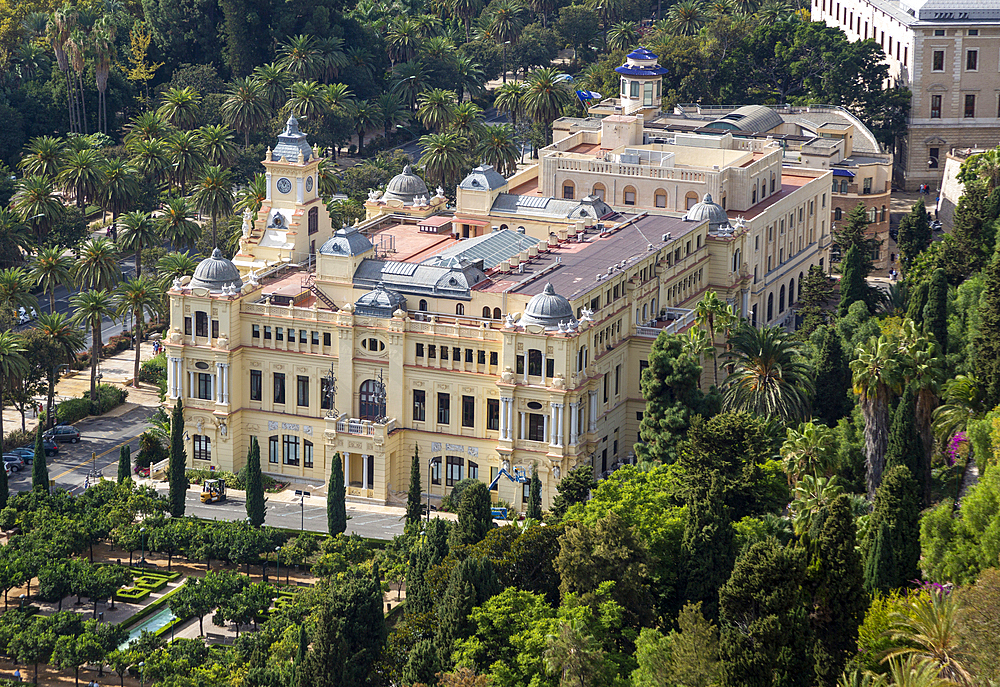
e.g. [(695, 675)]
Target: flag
[(588, 95)]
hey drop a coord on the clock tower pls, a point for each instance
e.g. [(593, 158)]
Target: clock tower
[(292, 221)]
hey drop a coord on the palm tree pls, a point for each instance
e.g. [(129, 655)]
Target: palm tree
[(771, 11), (444, 156), (59, 27), (245, 108), (217, 144), (809, 450), (174, 266), (187, 157), (908, 672), (76, 46), (988, 168), (466, 11), (769, 378), (403, 39), (467, 121), (436, 108), (876, 376), (15, 290), (545, 97), (299, 57), (686, 17), (273, 82), (708, 309), (83, 173), (927, 629), (139, 233), (470, 76), (148, 126), (391, 111), (119, 190), (428, 26), (359, 58), (97, 265), (326, 180), (151, 159), (497, 148), (810, 495), (510, 100), (50, 269), (697, 343), (180, 107), (337, 95), (61, 331), (622, 36), (330, 58), (43, 156), (90, 310), (177, 223), (12, 364), (365, 117), (411, 80), (505, 25), (307, 99), (214, 196), (15, 240), (252, 195), (139, 297), (103, 46), (964, 401), (37, 202)]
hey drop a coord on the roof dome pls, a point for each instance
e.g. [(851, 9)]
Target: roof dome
[(292, 143), (405, 187), (216, 272), (641, 62), (346, 241), (547, 309), (707, 209), (380, 302), (483, 178)]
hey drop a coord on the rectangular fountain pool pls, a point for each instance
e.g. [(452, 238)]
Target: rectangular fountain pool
[(157, 621)]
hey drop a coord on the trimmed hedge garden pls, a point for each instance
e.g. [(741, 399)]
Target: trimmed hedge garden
[(132, 595)]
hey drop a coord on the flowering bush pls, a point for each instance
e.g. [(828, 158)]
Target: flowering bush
[(958, 447)]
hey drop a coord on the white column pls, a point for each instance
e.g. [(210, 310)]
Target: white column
[(347, 469), (506, 417), (593, 411), (225, 383), (218, 383), (523, 423), (557, 421), (550, 424), (543, 364), (190, 392), (524, 378), (173, 381), (574, 417), (745, 308), (364, 472)]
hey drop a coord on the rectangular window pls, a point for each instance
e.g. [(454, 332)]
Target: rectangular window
[(201, 324), (634, 89), (971, 60), (279, 333), (938, 32), (468, 411), (215, 329), (267, 332), (970, 106), (256, 385), (204, 390), (325, 397), (444, 409), (290, 449), (536, 427), (279, 387), (302, 391), (618, 379), (419, 405), (661, 200), (630, 197), (432, 351), (444, 353), (456, 354), (420, 350), (291, 336), (272, 449), (187, 326), (647, 94), (454, 470), (202, 447), (326, 338), (605, 388), (255, 331), (938, 61), (550, 367), (494, 358), (568, 191), (315, 338), (307, 454), (492, 414), (468, 355), (520, 365), (973, 32), (867, 186), (481, 357), (526, 492), (436, 470), (473, 470), (935, 107), (493, 478)]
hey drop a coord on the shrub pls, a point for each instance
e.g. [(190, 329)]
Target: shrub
[(109, 396), (72, 410), (154, 369), (153, 584), (131, 594), (18, 438), (151, 450)]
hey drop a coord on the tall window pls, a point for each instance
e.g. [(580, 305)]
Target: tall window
[(369, 400), (436, 470), (935, 107), (272, 449), (937, 63), (932, 157), (838, 214), (454, 470), (307, 453), (279, 387), (971, 60), (534, 362), (202, 447), (201, 323), (444, 409), (204, 390), (459, 309), (325, 400), (187, 326), (419, 405), (314, 220), (867, 186), (473, 470), (256, 385), (290, 449), (536, 427), (970, 106), (468, 411), (302, 391), (493, 413)]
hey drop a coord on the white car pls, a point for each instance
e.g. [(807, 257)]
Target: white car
[(24, 317)]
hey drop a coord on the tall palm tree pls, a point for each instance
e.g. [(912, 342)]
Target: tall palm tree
[(436, 108), (90, 309), (217, 143), (428, 26), (63, 332), (152, 159), (609, 11), (174, 266), (504, 26), (59, 27), (12, 363), (299, 56), (177, 223), (330, 58), (103, 46), (245, 108), (97, 265), (83, 173), (470, 76), (697, 343), (403, 39), (43, 156), (15, 239), (444, 157), (924, 367), (927, 629), (187, 157), (214, 196), (964, 401), (769, 377), (337, 95), (119, 190), (509, 100), (705, 313), (50, 269), (36, 200), (622, 36), (181, 107), (15, 290), (273, 81), (307, 99), (771, 11), (875, 372), (77, 49), (391, 111), (360, 59), (809, 450), (138, 233), (545, 97), (411, 80), (686, 17), (365, 117), (466, 11), (252, 195), (467, 121), (148, 126), (138, 297), (497, 148)]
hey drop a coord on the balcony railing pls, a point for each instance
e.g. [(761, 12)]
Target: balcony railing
[(677, 320), (366, 428)]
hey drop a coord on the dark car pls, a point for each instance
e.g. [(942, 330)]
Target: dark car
[(63, 433)]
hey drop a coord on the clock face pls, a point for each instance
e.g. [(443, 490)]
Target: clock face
[(284, 185), (309, 183)]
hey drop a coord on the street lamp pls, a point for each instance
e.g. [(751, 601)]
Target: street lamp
[(142, 673), (505, 44), (142, 543), (302, 506), (277, 566)]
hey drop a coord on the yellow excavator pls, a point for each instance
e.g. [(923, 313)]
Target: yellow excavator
[(213, 490)]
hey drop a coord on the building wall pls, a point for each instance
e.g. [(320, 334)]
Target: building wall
[(877, 203)]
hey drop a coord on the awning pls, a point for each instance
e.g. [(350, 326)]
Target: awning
[(472, 222), (838, 172)]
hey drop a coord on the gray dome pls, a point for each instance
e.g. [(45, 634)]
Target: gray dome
[(708, 210), (291, 142), (547, 309), (216, 272), (483, 178), (347, 241), (405, 187), (380, 302)]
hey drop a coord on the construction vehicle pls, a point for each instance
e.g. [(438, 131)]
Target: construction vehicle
[(519, 477), (213, 490)]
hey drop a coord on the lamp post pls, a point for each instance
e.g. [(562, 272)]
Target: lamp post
[(277, 566), (430, 472), (142, 543), (505, 44), (142, 673)]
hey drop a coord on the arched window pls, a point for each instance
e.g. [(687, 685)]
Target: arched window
[(459, 309), (569, 190), (629, 196), (754, 193), (882, 216), (534, 362), (486, 312), (781, 300), (497, 314), (838, 214), (660, 198), (503, 227), (763, 189), (369, 401), (645, 311), (872, 214), (770, 306), (791, 292), (599, 191), (843, 185), (736, 260), (690, 200), (772, 182), (423, 305), (313, 220)]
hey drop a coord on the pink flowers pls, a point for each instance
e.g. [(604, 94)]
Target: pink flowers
[(957, 446)]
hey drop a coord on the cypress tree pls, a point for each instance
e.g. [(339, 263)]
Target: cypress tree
[(892, 556), (298, 668), (475, 517), (125, 464), (905, 446), (708, 547), (853, 233), (987, 341), (833, 380), (39, 468), (255, 505), (422, 664), (838, 595), (917, 301), (936, 310), (853, 287), (574, 487), (534, 510), (178, 462), (324, 666), (914, 235), (471, 583), (414, 507), (336, 498)]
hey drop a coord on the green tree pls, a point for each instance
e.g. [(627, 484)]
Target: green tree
[(139, 297), (51, 268), (769, 377), (73, 651), (245, 108), (817, 290), (178, 462), (256, 503), (39, 468), (181, 107), (574, 487), (214, 196), (125, 464), (853, 287), (936, 311), (475, 516), (545, 97), (905, 446), (67, 337), (443, 158), (914, 234), (534, 510), (573, 654), (357, 599), (875, 373), (97, 265), (987, 341), (12, 364), (833, 380), (91, 308), (694, 660), (414, 507), (336, 494), (708, 546), (894, 525), (653, 656)]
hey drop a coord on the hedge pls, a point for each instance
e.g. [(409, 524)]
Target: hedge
[(169, 576), (109, 396), (153, 584), (154, 370), (150, 609), (72, 410), (131, 594)]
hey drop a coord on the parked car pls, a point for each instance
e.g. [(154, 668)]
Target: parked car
[(7, 468), (26, 316), (936, 225), (13, 461), (27, 454), (63, 433)]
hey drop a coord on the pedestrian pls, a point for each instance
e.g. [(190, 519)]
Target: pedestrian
[(17, 674)]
